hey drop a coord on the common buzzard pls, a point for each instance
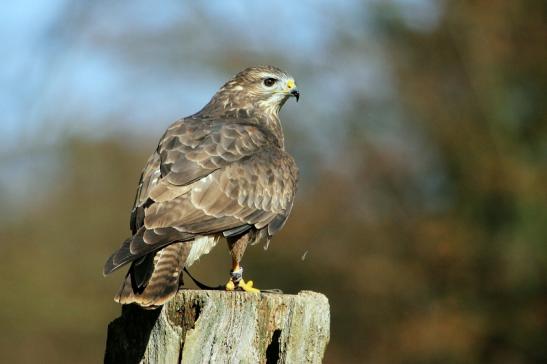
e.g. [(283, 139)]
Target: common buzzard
[(222, 172)]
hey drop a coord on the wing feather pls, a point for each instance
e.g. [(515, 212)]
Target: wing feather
[(250, 191), (208, 177)]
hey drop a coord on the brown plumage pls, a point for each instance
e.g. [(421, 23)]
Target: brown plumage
[(224, 172)]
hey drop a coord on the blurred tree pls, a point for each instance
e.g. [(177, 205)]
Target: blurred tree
[(422, 208)]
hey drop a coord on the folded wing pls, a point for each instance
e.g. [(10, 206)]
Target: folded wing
[(207, 178)]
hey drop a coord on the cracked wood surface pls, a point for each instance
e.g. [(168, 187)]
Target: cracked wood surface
[(223, 327)]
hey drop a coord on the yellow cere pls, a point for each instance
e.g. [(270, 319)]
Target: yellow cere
[(290, 84)]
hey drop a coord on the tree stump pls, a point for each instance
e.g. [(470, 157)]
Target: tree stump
[(223, 327)]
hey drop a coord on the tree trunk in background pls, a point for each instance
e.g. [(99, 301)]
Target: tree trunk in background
[(223, 327)]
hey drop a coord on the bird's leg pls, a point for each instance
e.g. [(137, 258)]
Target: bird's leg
[(237, 248)]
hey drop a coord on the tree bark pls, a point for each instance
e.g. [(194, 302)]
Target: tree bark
[(223, 327)]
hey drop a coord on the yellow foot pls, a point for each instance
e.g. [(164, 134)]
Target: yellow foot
[(247, 287), (244, 286)]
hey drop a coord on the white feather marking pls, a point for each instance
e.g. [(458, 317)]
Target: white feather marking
[(201, 246)]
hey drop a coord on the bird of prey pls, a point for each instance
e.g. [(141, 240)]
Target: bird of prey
[(220, 173)]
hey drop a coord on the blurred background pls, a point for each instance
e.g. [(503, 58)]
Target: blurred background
[(420, 135)]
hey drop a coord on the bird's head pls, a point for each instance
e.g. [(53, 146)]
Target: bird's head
[(261, 88)]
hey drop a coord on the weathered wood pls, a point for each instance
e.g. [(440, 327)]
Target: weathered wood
[(223, 327)]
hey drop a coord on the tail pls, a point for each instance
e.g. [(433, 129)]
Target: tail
[(154, 279), (143, 243)]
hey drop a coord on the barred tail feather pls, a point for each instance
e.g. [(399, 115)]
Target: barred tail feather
[(143, 243), (154, 279)]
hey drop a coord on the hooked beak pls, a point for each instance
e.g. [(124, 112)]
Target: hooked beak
[(296, 94), (292, 90)]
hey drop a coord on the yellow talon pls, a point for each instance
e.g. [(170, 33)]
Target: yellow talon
[(247, 287), (230, 286), (236, 280)]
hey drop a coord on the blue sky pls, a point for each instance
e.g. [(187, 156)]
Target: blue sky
[(55, 67), (133, 67)]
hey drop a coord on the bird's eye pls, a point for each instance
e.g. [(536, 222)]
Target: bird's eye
[(269, 82)]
